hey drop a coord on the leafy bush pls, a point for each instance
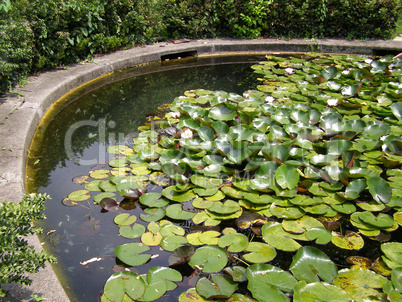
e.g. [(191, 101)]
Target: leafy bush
[(17, 256), (47, 34)]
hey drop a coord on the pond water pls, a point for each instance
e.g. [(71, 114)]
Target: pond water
[(73, 140)]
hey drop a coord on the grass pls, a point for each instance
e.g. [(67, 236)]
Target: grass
[(399, 25)]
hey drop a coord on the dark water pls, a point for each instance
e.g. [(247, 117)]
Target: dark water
[(75, 140)]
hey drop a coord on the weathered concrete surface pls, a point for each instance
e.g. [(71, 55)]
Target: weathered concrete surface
[(20, 114)]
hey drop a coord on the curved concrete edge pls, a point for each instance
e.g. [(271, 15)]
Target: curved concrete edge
[(20, 113)]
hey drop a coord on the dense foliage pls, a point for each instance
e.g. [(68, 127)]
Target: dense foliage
[(17, 256), (44, 34), (292, 191)]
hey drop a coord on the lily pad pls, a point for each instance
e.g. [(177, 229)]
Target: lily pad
[(125, 219), (153, 214), (220, 287), (349, 241), (276, 236), (79, 195), (172, 242), (360, 283), (234, 242), (209, 259), (268, 283), (319, 234), (259, 252), (379, 189), (176, 211), (133, 232), (153, 200), (122, 283), (311, 264), (132, 253), (319, 291)]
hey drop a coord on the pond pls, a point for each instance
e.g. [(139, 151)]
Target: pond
[(273, 181), (94, 117)]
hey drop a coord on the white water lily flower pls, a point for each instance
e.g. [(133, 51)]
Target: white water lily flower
[(382, 138), (368, 61), (289, 70), (346, 72), (332, 102), (400, 86), (175, 114), (187, 134), (269, 99)]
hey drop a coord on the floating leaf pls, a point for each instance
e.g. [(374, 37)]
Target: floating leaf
[(99, 197), (238, 273), (222, 287), (122, 283), (350, 241), (287, 177), (234, 242), (109, 204), (259, 252), (172, 242), (171, 194), (151, 239), (99, 174), (181, 255), (131, 253), (209, 259), (360, 283), (379, 189), (276, 236), (310, 265), (222, 113), (268, 283), (320, 235), (176, 212), (319, 291), (79, 195), (153, 200), (132, 232), (153, 214), (392, 254), (125, 219)]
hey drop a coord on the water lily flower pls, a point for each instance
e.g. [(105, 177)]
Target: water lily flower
[(175, 114), (382, 138), (400, 86), (368, 61), (332, 102), (269, 99), (289, 70), (187, 134), (346, 72)]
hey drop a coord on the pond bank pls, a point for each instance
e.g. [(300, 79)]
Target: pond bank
[(20, 113)]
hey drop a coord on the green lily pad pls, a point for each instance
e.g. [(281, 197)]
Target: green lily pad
[(153, 214), (172, 242), (286, 212), (209, 237), (227, 207), (379, 189), (360, 283), (93, 186), (99, 174), (382, 221), (392, 254), (209, 259), (319, 234), (79, 195), (125, 219), (133, 232), (132, 253), (159, 280), (191, 295), (122, 283), (349, 241), (176, 211), (118, 149), (205, 182), (238, 273), (310, 265), (151, 238), (276, 236), (171, 194), (98, 198), (301, 225), (234, 242), (319, 291), (222, 287), (268, 283), (153, 200), (287, 177), (222, 113), (259, 252)]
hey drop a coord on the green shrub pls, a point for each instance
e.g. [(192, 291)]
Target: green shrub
[(46, 34), (17, 256), (16, 53)]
